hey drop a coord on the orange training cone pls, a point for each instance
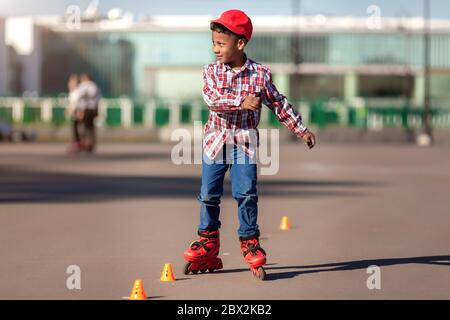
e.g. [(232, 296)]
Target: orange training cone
[(285, 225), (167, 274), (138, 292)]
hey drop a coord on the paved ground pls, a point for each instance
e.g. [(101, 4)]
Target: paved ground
[(124, 212)]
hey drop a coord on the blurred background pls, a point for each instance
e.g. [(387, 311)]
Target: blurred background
[(352, 71), (370, 78)]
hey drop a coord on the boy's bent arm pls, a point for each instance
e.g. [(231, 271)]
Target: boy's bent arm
[(282, 109), (215, 100)]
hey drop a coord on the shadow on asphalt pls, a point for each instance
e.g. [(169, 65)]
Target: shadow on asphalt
[(19, 185), (344, 266), (91, 158)]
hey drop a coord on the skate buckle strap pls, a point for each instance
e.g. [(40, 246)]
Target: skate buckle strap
[(208, 235), (254, 249), (200, 244)]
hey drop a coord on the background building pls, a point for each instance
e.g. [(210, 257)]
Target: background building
[(340, 57), (322, 61)]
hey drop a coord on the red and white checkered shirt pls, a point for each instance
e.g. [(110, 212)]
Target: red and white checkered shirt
[(223, 92)]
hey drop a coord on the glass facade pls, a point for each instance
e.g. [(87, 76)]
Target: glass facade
[(352, 49), (168, 64)]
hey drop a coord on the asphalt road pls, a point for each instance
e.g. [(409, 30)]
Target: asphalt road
[(124, 212)]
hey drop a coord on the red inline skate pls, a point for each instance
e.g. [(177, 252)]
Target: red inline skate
[(254, 255), (202, 253)]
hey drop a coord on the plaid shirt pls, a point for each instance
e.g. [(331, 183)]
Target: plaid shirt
[(223, 92)]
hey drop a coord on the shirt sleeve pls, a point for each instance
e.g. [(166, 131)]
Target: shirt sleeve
[(282, 109), (215, 100)]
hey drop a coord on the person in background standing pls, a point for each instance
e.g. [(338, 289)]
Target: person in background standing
[(88, 99), (75, 113), (84, 98)]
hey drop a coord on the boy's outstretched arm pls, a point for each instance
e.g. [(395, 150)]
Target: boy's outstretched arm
[(285, 113), (215, 100)]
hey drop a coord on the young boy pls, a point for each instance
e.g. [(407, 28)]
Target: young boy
[(234, 89)]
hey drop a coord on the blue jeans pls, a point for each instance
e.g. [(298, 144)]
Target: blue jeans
[(243, 172)]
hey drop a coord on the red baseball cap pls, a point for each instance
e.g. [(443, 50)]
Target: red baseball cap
[(236, 21)]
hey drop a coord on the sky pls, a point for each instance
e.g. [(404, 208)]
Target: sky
[(388, 8)]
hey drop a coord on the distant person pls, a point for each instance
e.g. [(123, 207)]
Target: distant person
[(84, 98), (88, 95), (75, 113)]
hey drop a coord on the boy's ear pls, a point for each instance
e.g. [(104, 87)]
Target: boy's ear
[(241, 44)]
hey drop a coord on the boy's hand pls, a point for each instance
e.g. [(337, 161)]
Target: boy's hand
[(251, 103), (310, 139)]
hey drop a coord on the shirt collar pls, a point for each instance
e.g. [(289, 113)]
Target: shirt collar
[(247, 65)]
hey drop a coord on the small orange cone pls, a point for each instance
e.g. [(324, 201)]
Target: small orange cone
[(285, 225), (167, 274), (138, 292)]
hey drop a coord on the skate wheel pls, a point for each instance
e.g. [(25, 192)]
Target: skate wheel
[(219, 264), (211, 270), (202, 270), (259, 273), (194, 271), (186, 268)]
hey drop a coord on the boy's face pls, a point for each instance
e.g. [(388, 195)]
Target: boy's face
[(226, 47)]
